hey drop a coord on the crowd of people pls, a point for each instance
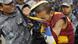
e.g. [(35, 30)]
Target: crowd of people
[(39, 21)]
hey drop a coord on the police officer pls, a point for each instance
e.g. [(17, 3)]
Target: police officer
[(12, 25)]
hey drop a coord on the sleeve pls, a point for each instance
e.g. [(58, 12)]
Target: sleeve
[(70, 32)]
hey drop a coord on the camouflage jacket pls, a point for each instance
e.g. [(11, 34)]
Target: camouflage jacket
[(13, 28)]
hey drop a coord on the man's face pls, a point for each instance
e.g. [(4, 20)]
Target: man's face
[(8, 8), (43, 14), (66, 10), (26, 11)]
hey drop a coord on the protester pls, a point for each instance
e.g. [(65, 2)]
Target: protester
[(63, 31), (41, 31), (61, 26)]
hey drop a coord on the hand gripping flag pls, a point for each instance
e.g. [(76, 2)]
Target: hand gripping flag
[(48, 35)]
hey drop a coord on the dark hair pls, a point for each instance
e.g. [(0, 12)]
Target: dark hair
[(0, 4), (26, 5), (44, 6), (64, 6)]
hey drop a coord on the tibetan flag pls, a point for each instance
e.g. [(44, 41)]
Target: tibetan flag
[(49, 36)]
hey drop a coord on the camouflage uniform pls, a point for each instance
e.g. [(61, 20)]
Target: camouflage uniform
[(13, 28)]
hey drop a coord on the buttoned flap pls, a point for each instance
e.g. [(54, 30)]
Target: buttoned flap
[(9, 28), (63, 39), (19, 20)]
